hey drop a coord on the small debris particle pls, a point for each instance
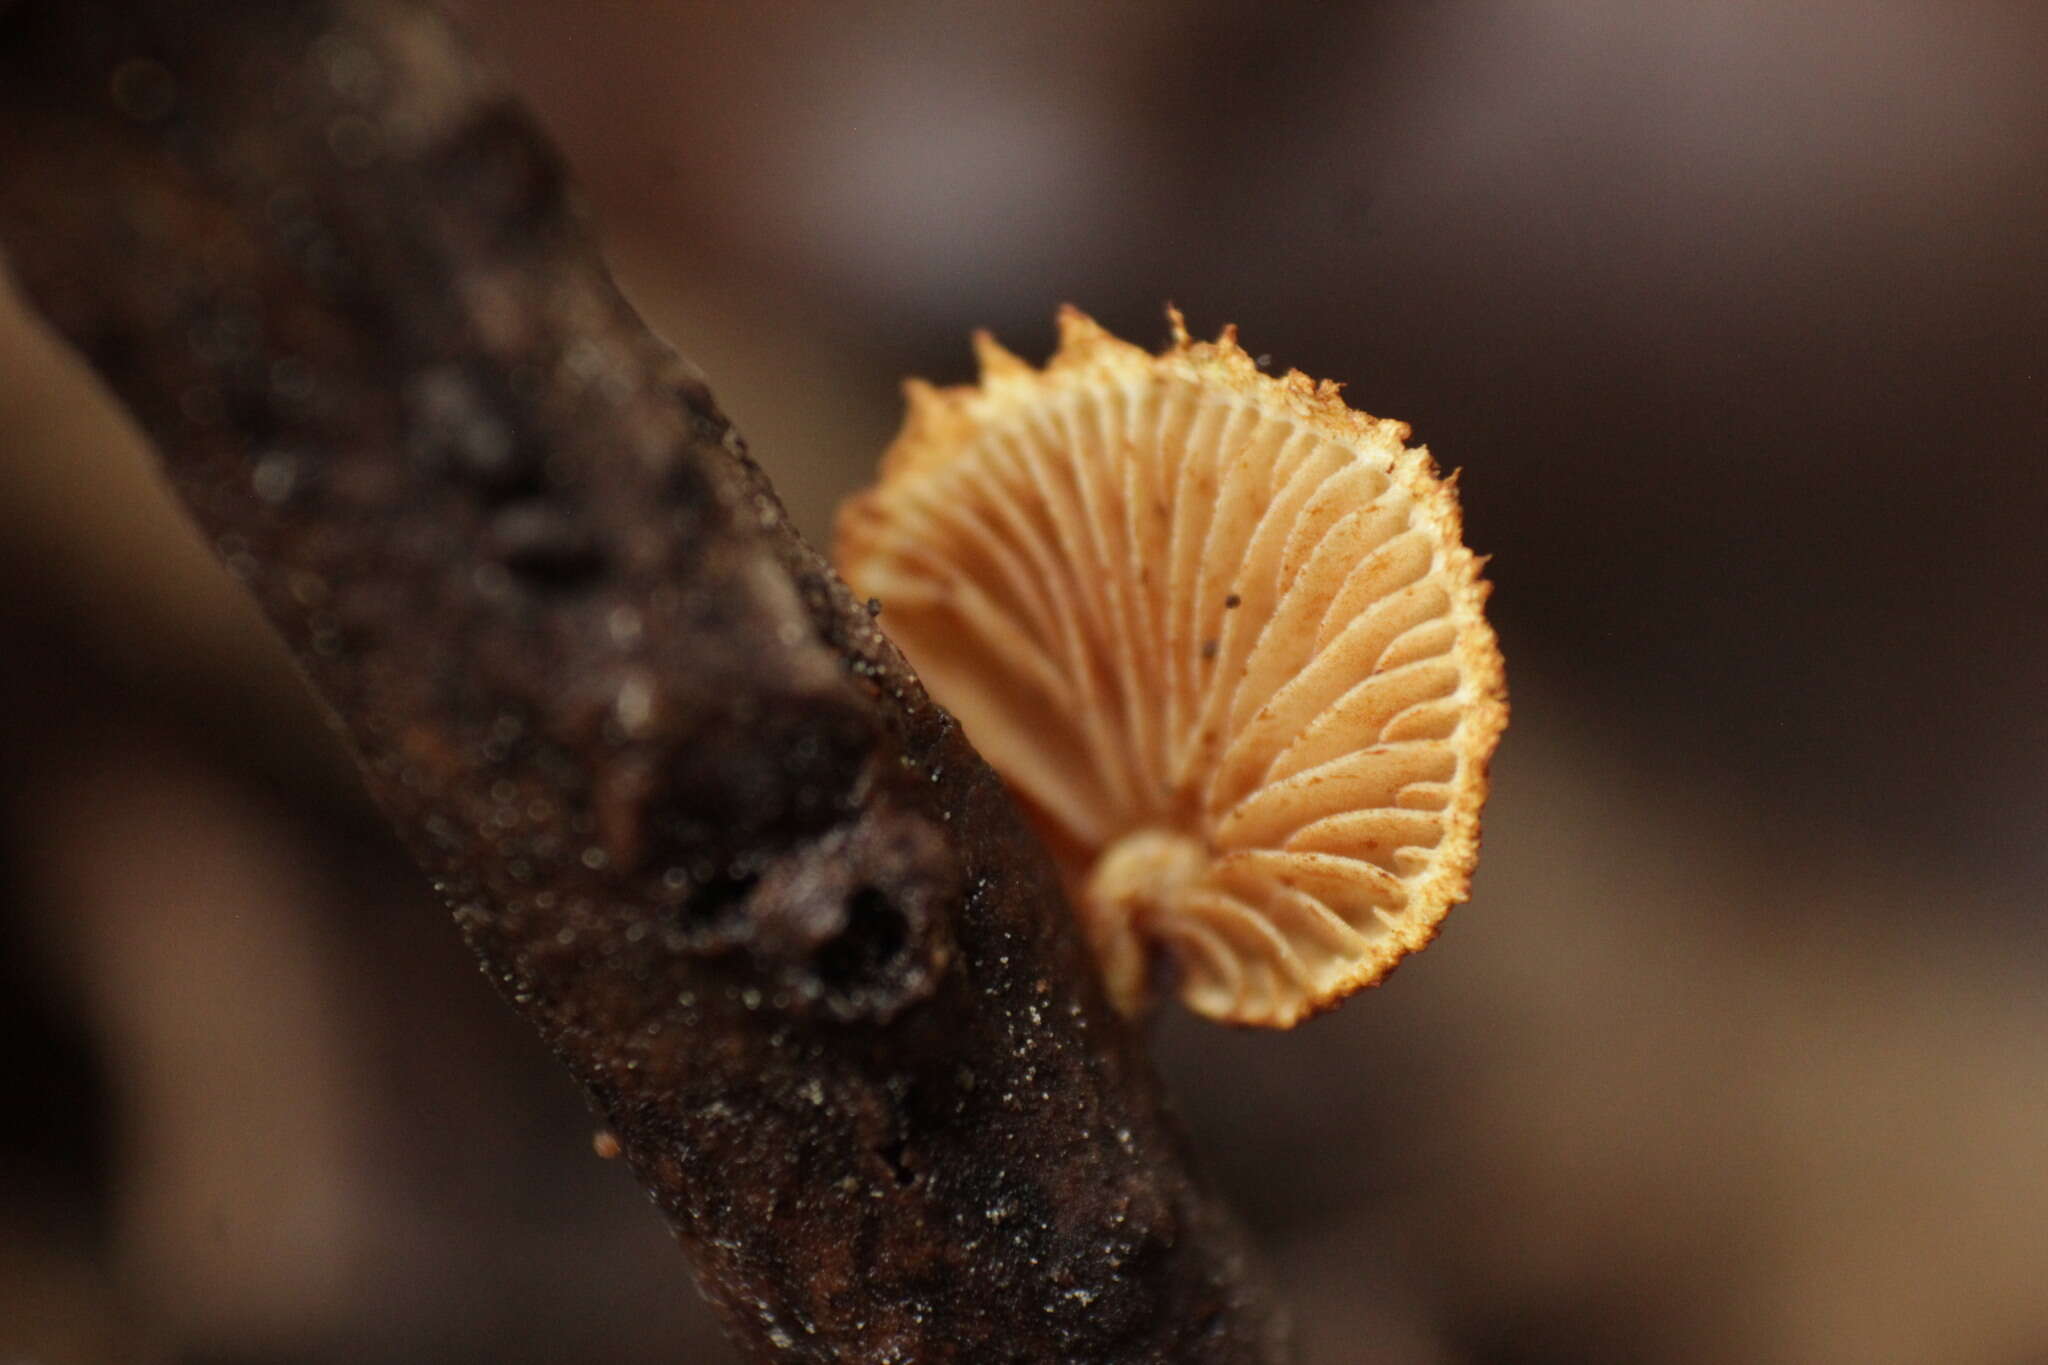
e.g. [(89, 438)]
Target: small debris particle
[(624, 625), (606, 1144), (633, 706), (274, 477), (1232, 602), (1209, 649)]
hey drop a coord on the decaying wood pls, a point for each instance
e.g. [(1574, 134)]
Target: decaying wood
[(695, 816)]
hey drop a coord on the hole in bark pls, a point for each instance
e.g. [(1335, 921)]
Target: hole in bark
[(718, 901), (512, 182), (513, 483), (893, 1154), (558, 575), (859, 955), (545, 549)]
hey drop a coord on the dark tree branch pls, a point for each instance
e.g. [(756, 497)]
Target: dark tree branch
[(694, 815)]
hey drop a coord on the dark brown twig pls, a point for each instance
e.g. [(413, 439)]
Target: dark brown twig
[(695, 816)]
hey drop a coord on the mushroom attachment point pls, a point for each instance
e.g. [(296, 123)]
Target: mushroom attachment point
[(1220, 634)]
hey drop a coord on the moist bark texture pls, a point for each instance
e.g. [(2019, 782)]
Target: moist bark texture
[(697, 819)]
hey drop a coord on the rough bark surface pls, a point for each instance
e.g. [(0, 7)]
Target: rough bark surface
[(695, 816)]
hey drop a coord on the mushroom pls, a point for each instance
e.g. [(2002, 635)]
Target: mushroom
[(1219, 633)]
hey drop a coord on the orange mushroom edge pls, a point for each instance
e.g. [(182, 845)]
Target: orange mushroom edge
[(1220, 634)]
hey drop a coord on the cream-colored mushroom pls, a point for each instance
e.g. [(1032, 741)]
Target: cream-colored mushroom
[(1220, 634)]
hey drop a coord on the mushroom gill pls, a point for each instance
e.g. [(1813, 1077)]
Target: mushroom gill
[(1219, 632)]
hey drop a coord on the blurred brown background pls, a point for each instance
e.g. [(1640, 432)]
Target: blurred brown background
[(1736, 317)]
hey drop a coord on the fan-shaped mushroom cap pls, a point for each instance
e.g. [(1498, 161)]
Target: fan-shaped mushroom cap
[(1220, 634)]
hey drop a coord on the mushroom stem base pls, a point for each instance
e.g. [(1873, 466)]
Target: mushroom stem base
[(1137, 880)]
